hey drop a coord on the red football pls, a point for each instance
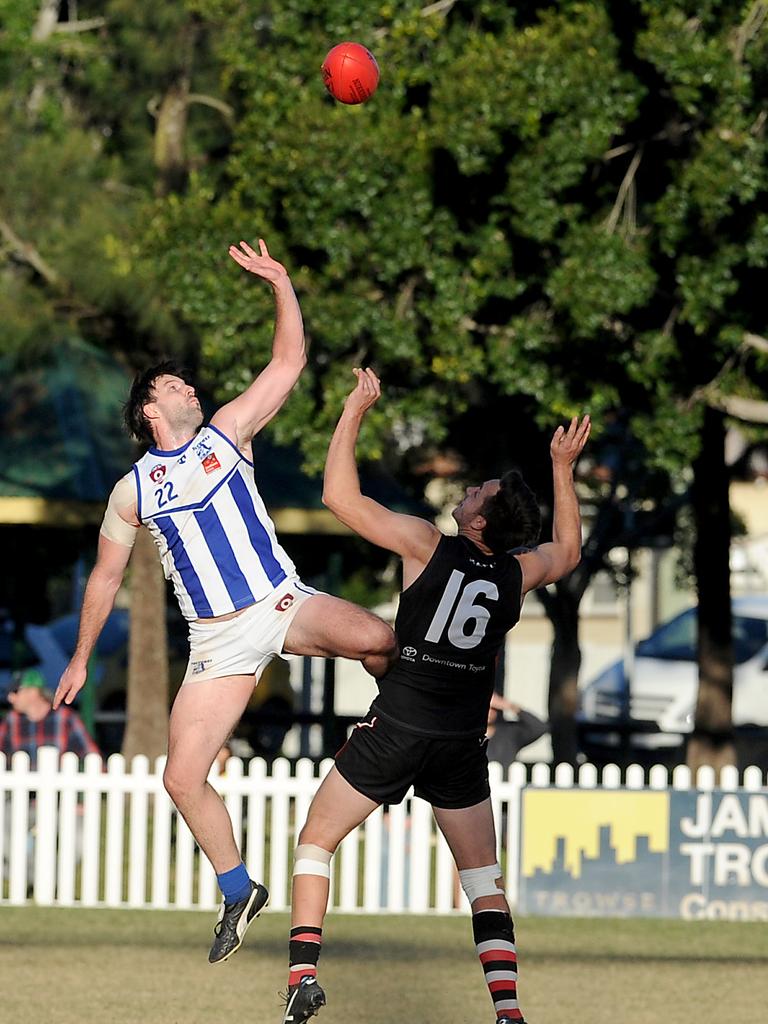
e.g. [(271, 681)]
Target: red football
[(350, 73)]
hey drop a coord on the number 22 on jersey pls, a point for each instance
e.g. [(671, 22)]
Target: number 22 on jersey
[(165, 493), (466, 611)]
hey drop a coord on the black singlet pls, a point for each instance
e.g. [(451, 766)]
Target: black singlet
[(450, 625)]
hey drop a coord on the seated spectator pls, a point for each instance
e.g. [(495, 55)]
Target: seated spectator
[(509, 734), (32, 723)]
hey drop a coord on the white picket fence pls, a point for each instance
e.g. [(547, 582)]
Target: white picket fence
[(112, 838)]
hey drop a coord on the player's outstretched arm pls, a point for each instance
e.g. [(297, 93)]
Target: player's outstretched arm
[(550, 562), (118, 533), (245, 415), (407, 536)]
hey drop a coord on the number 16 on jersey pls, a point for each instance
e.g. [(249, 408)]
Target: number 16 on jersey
[(466, 611)]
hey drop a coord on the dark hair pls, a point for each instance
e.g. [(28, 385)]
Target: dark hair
[(143, 391), (512, 515)]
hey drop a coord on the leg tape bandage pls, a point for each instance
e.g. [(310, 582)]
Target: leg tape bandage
[(312, 860), (477, 882)]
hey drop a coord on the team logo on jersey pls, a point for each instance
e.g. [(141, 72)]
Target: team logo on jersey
[(156, 474), (409, 653), (284, 603), (211, 463), (202, 449)]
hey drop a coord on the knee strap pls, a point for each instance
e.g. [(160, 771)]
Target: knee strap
[(312, 860), (477, 882)]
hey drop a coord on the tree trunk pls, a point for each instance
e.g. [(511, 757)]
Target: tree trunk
[(563, 611), (148, 689), (712, 741), (170, 150), (562, 608), (47, 20), (170, 132)]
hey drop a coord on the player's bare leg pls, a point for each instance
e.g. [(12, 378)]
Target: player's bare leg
[(336, 810), (203, 716), (471, 836), (328, 627)]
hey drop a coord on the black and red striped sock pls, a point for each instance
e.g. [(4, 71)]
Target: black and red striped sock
[(495, 942), (304, 952)]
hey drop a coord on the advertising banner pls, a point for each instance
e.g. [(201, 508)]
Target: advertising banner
[(644, 853)]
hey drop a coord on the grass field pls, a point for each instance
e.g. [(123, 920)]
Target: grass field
[(149, 967)]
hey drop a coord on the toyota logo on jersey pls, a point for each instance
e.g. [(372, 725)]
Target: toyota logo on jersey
[(156, 474)]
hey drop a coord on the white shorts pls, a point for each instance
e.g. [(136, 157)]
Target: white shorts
[(245, 644)]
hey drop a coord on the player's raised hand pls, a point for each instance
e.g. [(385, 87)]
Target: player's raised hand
[(568, 444), (259, 263), (366, 392)]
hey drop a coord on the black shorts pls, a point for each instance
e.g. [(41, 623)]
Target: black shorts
[(382, 761)]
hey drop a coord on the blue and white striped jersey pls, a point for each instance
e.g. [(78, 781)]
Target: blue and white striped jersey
[(217, 543)]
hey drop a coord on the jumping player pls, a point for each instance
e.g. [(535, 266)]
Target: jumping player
[(427, 726), (195, 491)]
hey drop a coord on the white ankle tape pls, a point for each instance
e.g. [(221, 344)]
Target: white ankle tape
[(477, 882), (312, 860)]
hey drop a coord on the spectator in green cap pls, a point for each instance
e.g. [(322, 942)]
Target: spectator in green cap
[(32, 723)]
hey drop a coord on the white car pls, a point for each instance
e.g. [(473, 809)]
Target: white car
[(653, 711)]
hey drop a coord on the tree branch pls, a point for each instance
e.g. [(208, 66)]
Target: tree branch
[(86, 25), (623, 200), (154, 103), (404, 301), (48, 23), (441, 7), (756, 342), (28, 253), (750, 410), (611, 154), (211, 101), (749, 28)]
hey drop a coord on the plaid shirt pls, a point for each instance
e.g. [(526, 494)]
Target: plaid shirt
[(62, 729)]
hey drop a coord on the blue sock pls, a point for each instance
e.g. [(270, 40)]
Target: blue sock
[(235, 885)]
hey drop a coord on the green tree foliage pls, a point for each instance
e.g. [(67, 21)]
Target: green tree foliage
[(414, 224), (532, 187), (79, 99), (556, 202)]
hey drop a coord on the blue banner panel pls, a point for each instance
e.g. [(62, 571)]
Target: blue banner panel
[(720, 844), (644, 853)]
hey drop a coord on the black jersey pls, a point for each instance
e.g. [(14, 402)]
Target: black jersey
[(450, 625)]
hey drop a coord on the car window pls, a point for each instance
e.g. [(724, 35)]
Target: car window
[(676, 640), (749, 637)]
